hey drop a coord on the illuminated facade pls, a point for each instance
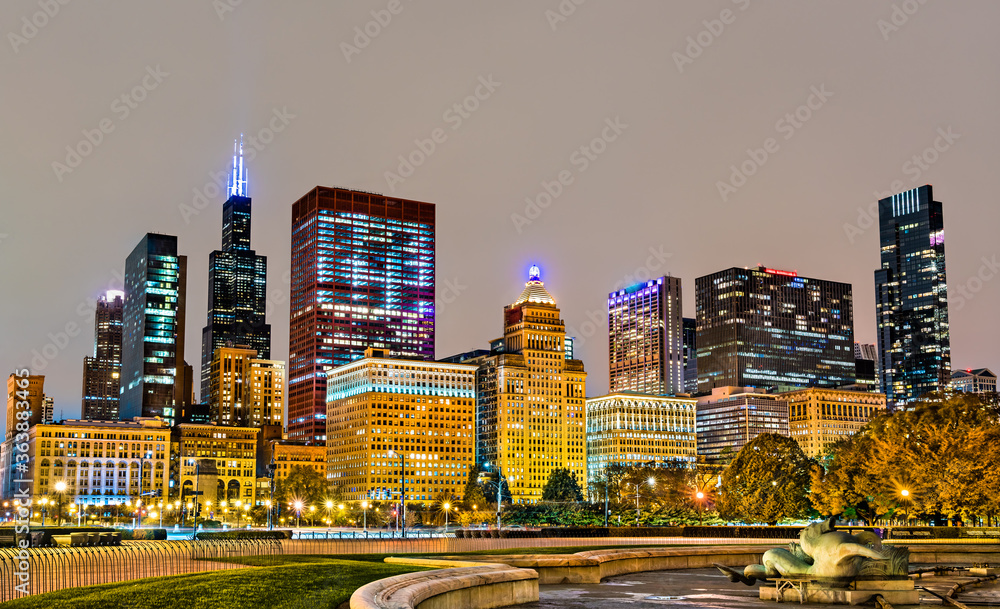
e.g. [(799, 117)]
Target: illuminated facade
[(422, 410), (362, 276), (100, 461), (979, 380), (237, 283), (690, 355), (244, 390), (646, 338), (818, 416), (216, 456), (288, 455), (911, 297), (765, 328), (150, 329), (731, 417), (530, 406), (102, 371), (28, 389), (631, 428)]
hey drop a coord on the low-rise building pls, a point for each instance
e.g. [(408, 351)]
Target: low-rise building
[(978, 380), (217, 461), (731, 417), (288, 455), (818, 416), (630, 428)]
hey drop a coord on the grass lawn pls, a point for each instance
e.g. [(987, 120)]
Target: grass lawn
[(295, 583)]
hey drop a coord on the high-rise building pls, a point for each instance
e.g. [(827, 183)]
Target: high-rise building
[(866, 367), (977, 380), (48, 409), (866, 351), (911, 297), (21, 389), (246, 391), (690, 355), (629, 428), (765, 328), (237, 282), (101, 462), (102, 371), (530, 408), (362, 276), (732, 417), (150, 326), (646, 338), (818, 417), (381, 407)]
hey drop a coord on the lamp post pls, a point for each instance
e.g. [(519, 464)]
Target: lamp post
[(239, 504), (906, 496), (44, 502), (329, 512), (160, 506), (298, 512), (364, 510), (447, 508), (701, 506), (270, 524), (402, 489), (60, 489)]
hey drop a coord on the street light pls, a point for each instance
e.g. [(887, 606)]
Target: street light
[(44, 502), (364, 509), (447, 508), (329, 511), (701, 507), (906, 495), (60, 489), (298, 512), (402, 488)]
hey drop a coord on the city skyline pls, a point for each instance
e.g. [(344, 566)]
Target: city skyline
[(812, 204)]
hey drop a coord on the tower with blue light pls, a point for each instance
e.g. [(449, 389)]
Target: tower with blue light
[(237, 280)]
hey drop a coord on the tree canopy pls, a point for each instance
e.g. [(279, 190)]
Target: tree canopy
[(767, 481), (562, 487), (304, 484)]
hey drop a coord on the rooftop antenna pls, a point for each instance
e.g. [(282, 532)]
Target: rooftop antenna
[(238, 177)]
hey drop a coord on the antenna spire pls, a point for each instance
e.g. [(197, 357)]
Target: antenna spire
[(238, 177)]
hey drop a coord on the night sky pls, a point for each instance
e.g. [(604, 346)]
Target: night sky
[(620, 122)]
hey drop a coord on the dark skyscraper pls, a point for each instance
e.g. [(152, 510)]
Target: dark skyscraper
[(102, 371), (765, 328), (237, 282), (149, 328), (690, 355), (911, 297), (646, 338), (362, 276)]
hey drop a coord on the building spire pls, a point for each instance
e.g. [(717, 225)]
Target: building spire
[(238, 177)]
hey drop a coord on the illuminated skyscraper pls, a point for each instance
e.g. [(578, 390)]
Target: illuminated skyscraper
[(911, 297), (102, 371), (150, 328), (646, 338), (773, 329), (690, 355), (530, 408), (362, 276), (24, 388), (244, 390), (237, 283)]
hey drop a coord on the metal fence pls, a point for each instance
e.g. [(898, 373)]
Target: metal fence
[(50, 569)]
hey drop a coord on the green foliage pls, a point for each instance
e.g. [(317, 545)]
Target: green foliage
[(942, 451), (246, 534), (315, 583), (767, 481), (562, 487), (592, 515), (304, 484)]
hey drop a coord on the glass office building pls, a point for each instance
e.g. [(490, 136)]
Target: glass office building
[(362, 276), (911, 297), (150, 328), (646, 338), (766, 328)]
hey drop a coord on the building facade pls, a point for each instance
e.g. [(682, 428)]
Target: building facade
[(817, 417), (646, 338), (629, 428), (767, 328), (530, 399), (380, 407), (237, 282), (690, 355), (217, 461), (288, 455), (911, 297), (101, 462), (102, 371), (246, 391), (978, 380), (731, 417), (150, 327), (362, 276), (24, 388)]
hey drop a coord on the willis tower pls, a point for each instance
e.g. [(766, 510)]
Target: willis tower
[(237, 281)]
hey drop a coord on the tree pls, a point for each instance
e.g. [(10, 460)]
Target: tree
[(302, 484), (473, 494), (767, 481), (562, 487)]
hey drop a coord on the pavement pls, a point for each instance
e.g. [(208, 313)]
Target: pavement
[(695, 589)]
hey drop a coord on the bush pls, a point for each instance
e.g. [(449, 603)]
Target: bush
[(210, 524), (144, 534), (244, 534)]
